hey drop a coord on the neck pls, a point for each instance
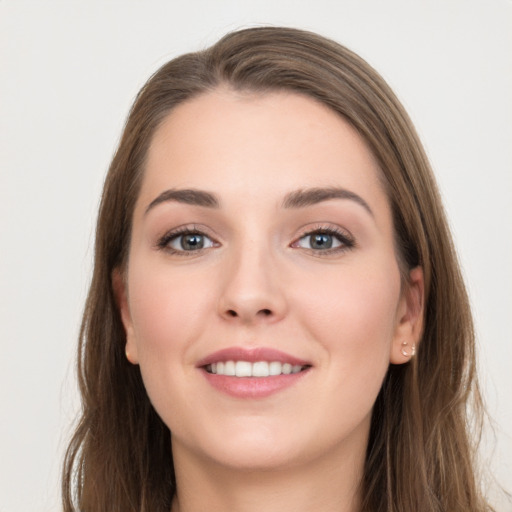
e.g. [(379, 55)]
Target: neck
[(329, 484)]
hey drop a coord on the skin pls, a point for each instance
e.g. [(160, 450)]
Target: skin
[(258, 283)]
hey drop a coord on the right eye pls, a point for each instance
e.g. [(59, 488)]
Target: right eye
[(186, 242)]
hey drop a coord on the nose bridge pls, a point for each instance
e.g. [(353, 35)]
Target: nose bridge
[(251, 289)]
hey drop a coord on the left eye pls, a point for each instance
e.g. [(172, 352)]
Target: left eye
[(319, 241), (189, 242)]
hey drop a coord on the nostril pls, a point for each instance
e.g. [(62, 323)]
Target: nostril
[(235, 314)]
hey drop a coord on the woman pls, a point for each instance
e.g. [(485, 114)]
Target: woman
[(277, 319)]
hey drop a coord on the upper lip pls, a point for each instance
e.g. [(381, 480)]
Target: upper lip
[(251, 355)]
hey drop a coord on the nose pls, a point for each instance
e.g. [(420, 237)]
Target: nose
[(253, 288)]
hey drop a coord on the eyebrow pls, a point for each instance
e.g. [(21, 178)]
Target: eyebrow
[(186, 196), (308, 197), (296, 199)]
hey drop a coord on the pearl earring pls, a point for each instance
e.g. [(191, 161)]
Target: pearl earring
[(404, 350)]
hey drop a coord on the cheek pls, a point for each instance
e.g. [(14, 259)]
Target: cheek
[(168, 313), (353, 319), (353, 315)]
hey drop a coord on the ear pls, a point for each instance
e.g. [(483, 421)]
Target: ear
[(121, 296), (409, 319)]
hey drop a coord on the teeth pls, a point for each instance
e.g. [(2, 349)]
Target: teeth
[(275, 368), (229, 368), (257, 369), (243, 369), (260, 369)]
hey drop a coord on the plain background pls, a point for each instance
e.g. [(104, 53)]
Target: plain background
[(69, 72)]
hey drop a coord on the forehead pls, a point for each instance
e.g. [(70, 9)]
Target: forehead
[(257, 144)]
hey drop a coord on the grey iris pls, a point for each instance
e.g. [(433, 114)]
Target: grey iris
[(321, 241), (192, 241)]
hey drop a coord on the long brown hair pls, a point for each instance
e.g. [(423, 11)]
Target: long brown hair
[(420, 455)]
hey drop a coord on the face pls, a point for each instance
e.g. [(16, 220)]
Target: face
[(262, 297)]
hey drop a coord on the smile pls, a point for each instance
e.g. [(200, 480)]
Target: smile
[(256, 369), (252, 373)]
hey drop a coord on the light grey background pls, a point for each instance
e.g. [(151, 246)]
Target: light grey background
[(69, 72)]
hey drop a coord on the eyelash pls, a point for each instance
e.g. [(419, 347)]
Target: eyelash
[(346, 241), (163, 243)]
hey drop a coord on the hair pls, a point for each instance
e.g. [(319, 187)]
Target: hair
[(427, 417)]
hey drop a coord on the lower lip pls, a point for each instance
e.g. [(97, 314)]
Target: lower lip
[(252, 387)]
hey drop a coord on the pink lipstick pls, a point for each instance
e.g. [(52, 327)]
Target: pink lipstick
[(252, 373)]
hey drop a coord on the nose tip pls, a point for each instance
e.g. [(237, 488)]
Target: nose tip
[(251, 291)]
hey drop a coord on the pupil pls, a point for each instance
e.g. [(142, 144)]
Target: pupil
[(190, 242), (321, 241)]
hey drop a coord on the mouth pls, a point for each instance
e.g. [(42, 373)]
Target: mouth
[(252, 373), (257, 369)]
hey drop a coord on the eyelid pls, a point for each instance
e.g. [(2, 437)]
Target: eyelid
[(344, 236), (163, 241), (346, 239)]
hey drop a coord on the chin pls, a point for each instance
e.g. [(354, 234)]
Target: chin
[(246, 449), (256, 458)]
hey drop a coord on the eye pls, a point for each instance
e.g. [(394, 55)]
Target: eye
[(185, 241), (325, 240), (319, 241), (190, 242)]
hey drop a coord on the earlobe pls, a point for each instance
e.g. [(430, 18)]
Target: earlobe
[(409, 322), (121, 296)]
